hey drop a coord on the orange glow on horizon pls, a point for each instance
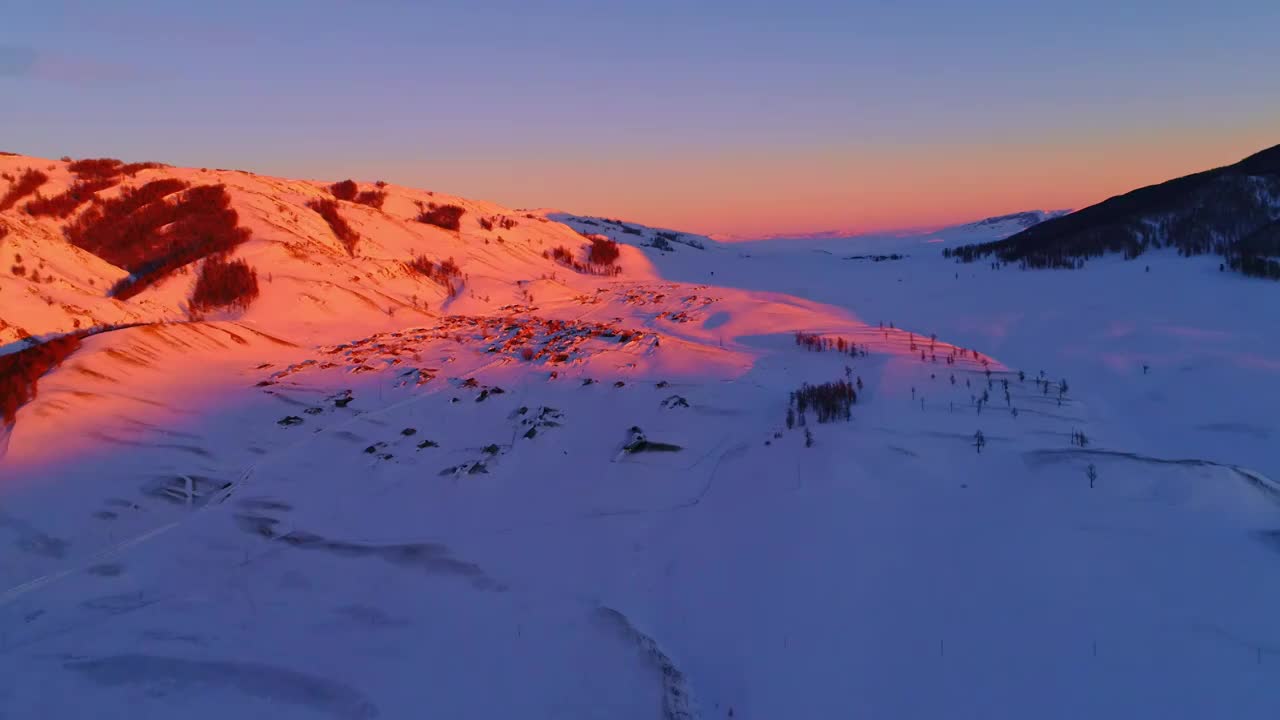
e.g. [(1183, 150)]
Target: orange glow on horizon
[(856, 188)]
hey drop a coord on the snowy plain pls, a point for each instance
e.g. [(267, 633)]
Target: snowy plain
[(295, 514)]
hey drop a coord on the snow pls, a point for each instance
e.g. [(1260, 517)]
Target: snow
[(333, 505)]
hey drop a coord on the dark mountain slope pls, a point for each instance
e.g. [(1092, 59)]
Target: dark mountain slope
[(1226, 211)]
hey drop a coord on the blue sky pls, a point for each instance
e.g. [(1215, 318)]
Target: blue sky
[(714, 116)]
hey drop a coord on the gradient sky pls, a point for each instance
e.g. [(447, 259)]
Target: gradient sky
[(722, 116)]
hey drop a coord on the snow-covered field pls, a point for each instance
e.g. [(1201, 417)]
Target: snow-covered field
[(302, 514)]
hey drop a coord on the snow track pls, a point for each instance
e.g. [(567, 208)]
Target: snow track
[(1253, 478)]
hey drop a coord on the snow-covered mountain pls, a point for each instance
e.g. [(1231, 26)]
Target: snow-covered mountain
[(457, 459), (1002, 225), (1231, 211), (990, 228)]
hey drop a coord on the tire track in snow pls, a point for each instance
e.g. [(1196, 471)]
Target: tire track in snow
[(1261, 482)]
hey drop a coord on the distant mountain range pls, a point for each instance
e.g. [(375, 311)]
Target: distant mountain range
[(1021, 220), (998, 226), (1232, 211)]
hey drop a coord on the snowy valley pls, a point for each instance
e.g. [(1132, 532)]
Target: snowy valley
[(453, 459)]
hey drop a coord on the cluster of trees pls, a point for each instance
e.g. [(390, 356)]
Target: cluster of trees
[(345, 190), (20, 371), (348, 190), (445, 273), (162, 236), (92, 176), (65, 203), (346, 234), (597, 255), (1045, 385), (830, 402), (120, 230), (1256, 266), (448, 217), (1259, 254), (628, 229), (224, 283), (814, 342), (107, 168), (372, 198), (662, 240), (603, 251), (26, 184), (501, 221), (876, 258)]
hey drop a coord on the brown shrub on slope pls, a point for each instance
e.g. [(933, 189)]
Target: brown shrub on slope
[(372, 198), (443, 273), (95, 168), (603, 251), (328, 210), (26, 184), (344, 190), (92, 176), (65, 203), (448, 217), (172, 234), (224, 283), (117, 229), (107, 168), (600, 262), (20, 372)]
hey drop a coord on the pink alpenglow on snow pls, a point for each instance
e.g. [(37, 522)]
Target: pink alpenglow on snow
[(625, 470)]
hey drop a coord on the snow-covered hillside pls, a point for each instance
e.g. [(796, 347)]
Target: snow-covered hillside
[(631, 233), (997, 227), (1231, 211), (310, 283), (573, 491)]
